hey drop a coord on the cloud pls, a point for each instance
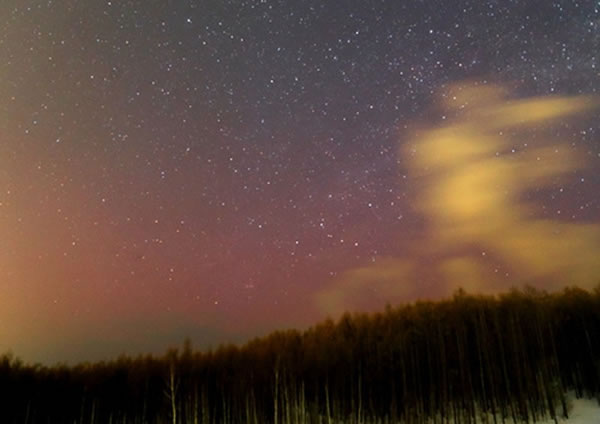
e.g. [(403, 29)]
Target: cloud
[(372, 283), (473, 187)]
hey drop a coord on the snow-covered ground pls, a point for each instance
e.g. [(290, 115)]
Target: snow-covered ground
[(585, 411), (582, 411)]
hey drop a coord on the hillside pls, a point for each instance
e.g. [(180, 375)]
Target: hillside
[(468, 359)]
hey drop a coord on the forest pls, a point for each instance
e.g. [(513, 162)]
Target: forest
[(491, 359)]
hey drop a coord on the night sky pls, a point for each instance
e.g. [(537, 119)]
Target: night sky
[(220, 169)]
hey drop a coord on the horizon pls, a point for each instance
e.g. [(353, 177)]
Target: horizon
[(185, 345)]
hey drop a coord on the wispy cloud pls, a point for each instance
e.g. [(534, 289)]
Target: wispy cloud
[(473, 189)]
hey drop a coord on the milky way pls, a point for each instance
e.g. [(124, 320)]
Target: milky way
[(219, 169)]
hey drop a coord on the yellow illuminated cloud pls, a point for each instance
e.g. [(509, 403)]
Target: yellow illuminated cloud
[(472, 191), (464, 272), (376, 282)]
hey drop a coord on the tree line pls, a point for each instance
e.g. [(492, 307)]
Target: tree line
[(491, 359)]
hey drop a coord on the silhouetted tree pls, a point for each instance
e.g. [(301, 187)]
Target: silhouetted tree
[(512, 356)]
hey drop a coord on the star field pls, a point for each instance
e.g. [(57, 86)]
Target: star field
[(218, 169)]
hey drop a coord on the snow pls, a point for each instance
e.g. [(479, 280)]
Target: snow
[(585, 411), (581, 411)]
